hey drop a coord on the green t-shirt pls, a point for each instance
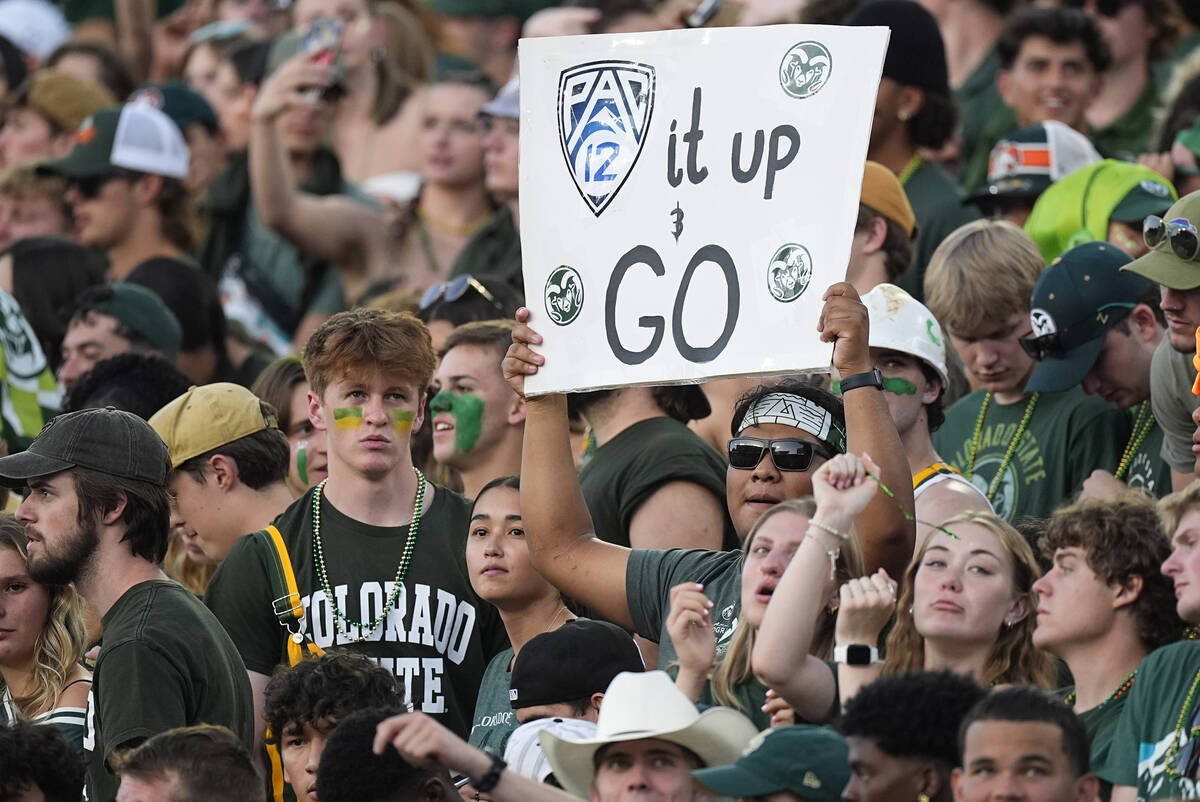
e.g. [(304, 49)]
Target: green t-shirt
[(165, 662), (937, 202), (1069, 435), (1171, 377), (1147, 469), (437, 638), (1147, 728), (974, 172), (494, 718), (1128, 136), (1101, 724), (494, 250), (978, 102), (626, 471)]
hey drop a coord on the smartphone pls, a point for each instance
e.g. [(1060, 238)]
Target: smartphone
[(322, 43), (703, 13)]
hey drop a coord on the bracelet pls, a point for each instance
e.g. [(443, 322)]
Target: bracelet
[(833, 555), (827, 528), (492, 776)]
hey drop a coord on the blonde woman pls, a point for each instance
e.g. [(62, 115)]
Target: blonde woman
[(966, 605), (784, 534), (42, 638)]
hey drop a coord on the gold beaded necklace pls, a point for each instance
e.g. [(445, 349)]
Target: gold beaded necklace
[(913, 165), (1012, 447), (1141, 429), (413, 528), (1173, 748)]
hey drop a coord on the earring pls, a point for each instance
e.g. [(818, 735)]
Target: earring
[(922, 797), (904, 116)]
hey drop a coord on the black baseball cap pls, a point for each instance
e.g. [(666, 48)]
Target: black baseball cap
[(576, 660), (107, 440), (1076, 300)]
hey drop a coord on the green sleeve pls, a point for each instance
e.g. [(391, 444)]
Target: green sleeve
[(1123, 753), (1172, 400), (240, 596), (652, 573), (143, 695)]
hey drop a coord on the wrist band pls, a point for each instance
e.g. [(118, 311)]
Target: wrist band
[(827, 528), (492, 776), (833, 555)]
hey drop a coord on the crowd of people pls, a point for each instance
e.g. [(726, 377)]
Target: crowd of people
[(282, 524)]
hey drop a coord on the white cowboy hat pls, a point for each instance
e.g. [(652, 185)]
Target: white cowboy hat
[(648, 705)]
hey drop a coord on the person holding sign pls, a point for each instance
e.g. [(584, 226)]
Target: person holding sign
[(631, 587)]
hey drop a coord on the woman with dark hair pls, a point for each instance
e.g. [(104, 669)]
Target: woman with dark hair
[(44, 639), (46, 275), (284, 386)]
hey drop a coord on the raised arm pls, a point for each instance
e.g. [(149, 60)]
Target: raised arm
[(886, 536), (558, 528), (333, 227), (781, 658)]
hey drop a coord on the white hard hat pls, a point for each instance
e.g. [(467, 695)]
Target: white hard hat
[(899, 322)]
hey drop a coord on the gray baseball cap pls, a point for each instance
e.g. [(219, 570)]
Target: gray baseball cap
[(107, 440), (506, 103)]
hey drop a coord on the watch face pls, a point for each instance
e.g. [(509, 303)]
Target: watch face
[(858, 655)]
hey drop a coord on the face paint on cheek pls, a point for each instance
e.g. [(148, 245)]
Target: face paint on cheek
[(402, 419), (467, 410), (302, 462), (898, 386), (347, 417)]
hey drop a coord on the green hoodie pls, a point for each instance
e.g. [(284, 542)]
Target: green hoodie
[(1077, 208)]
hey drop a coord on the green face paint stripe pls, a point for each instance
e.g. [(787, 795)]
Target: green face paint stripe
[(898, 386), (467, 410), (403, 420), (347, 417), (302, 462), (442, 402)]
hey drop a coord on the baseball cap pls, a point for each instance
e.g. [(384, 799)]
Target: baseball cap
[(141, 310), (1030, 159), (180, 103), (63, 99), (523, 752), (916, 53), (576, 660), (1161, 265), (506, 103), (1147, 197), (107, 440), (899, 322), (209, 417), (881, 190), (811, 762), (135, 136), (1076, 300)]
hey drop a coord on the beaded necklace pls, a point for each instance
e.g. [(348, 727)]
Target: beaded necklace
[(1173, 748), (1012, 447), (1121, 690), (413, 528), (913, 165), (1141, 429)]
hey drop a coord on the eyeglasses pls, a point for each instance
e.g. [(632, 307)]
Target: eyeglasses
[(450, 291), (89, 187), (1182, 234), (788, 454)]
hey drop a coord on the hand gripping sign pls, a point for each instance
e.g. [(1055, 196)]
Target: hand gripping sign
[(687, 196)]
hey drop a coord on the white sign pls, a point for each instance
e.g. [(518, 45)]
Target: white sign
[(687, 196)]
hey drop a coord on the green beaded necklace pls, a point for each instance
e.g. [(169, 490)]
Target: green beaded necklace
[(413, 528), (1173, 747)]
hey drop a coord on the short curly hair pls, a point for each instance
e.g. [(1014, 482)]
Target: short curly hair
[(1123, 537), (321, 691), (913, 715), (37, 756)]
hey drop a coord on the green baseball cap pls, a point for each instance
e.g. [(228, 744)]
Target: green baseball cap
[(180, 103), (135, 136), (1161, 265), (1147, 198), (1076, 300), (812, 762)]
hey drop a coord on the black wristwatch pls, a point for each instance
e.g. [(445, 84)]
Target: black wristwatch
[(492, 776), (872, 378), (856, 654)]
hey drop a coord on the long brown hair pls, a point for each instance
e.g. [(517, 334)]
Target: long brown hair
[(1014, 658), (733, 668), (60, 644)]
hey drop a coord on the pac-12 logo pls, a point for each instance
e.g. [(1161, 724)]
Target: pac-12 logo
[(604, 110)]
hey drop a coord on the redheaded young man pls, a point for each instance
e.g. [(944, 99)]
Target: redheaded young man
[(1103, 606), (1153, 754), (378, 552)]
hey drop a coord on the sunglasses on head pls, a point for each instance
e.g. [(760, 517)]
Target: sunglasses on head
[(787, 454), (89, 186), (450, 291), (1180, 232)]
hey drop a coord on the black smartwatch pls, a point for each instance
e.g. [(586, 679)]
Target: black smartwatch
[(872, 378), (856, 654)]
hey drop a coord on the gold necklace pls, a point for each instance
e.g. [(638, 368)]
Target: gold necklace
[(1141, 429), (913, 165), (1012, 447), (452, 229)]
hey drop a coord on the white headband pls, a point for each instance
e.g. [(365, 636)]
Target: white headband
[(799, 413)]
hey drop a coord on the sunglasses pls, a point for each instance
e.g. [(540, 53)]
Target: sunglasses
[(1042, 346), (1182, 234), (450, 291), (89, 187), (787, 454)]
